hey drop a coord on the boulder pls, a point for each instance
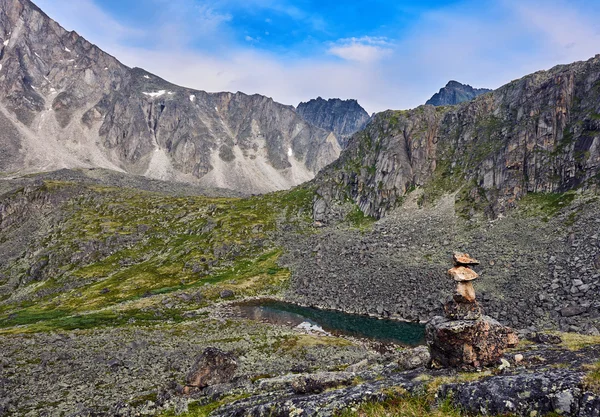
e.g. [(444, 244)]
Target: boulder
[(571, 311), (414, 358), (319, 382), (227, 294), (212, 367), (468, 343)]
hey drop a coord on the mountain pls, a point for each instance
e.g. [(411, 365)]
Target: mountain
[(455, 93), (537, 134), (65, 103), (343, 117)]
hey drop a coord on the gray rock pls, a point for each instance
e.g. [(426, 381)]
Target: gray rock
[(414, 358)]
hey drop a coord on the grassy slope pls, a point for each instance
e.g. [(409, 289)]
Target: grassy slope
[(117, 252)]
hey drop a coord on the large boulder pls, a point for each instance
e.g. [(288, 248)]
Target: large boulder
[(212, 367), (468, 343), (554, 391)]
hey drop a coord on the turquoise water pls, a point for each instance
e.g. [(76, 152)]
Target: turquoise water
[(335, 322)]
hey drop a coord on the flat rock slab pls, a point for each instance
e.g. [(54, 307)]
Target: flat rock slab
[(464, 259), (462, 274)]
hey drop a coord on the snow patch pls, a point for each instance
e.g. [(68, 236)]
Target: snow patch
[(36, 54), (192, 98), (311, 328), (67, 49), (146, 77), (216, 109), (290, 152), (0, 67), (6, 42), (156, 93), (105, 68)]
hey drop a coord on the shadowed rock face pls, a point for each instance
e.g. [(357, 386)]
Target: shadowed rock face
[(342, 117), (537, 134), (66, 103), (455, 93)]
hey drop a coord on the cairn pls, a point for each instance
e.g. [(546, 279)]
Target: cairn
[(463, 305), (465, 338)]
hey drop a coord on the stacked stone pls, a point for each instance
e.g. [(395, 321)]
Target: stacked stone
[(465, 338), (463, 305)]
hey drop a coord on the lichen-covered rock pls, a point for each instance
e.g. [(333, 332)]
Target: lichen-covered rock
[(319, 382), (212, 367), (555, 391), (468, 343), (414, 358)]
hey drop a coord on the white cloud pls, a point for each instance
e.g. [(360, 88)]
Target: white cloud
[(365, 50)]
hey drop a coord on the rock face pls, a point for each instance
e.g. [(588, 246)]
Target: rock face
[(455, 93), (342, 117), (537, 134), (468, 343), (66, 103), (212, 367)]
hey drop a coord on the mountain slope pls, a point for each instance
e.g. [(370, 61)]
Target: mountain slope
[(537, 134), (455, 93), (343, 117), (65, 103)]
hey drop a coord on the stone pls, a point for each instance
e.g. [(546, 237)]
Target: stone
[(462, 274), (518, 358), (545, 338), (414, 358), (227, 294), (468, 343), (464, 259), (212, 367), (553, 391), (465, 291), (320, 381), (572, 311), (458, 310)]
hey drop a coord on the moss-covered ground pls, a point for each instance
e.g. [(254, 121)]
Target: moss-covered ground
[(113, 254)]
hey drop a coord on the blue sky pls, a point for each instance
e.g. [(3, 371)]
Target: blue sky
[(385, 53)]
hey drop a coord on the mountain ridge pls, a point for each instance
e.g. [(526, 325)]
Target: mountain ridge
[(342, 117), (495, 148), (455, 93), (68, 104)]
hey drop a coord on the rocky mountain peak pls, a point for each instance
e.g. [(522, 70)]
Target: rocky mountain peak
[(454, 93), (343, 117), (67, 104)]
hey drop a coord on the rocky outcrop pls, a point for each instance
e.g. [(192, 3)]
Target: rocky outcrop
[(455, 93), (537, 134), (554, 391), (212, 367), (342, 117), (66, 103)]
